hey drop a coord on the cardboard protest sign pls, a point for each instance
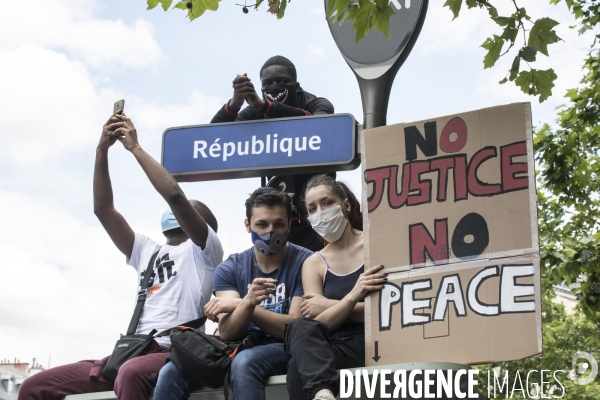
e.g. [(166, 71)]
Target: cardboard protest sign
[(452, 216)]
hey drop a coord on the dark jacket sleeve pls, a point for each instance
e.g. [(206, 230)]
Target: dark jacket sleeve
[(316, 106), (319, 105), (279, 110), (249, 114), (224, 115)]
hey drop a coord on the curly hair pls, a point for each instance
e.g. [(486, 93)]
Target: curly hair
[(268, 197)]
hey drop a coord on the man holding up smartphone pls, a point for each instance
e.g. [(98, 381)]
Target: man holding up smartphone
[(189, 257)]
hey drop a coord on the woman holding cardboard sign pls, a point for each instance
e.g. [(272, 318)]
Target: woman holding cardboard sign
[(331, 334)]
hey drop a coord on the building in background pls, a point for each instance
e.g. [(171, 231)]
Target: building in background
[(565, 296), (12, 375)]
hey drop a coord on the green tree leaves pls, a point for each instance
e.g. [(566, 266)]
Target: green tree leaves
[(494, 47), (536, 82), (542, 34), (381, 19), (282, 7), (367, 14), (164, 3), (341, 8), (528, 53), (194, 8), (568, 160), (454, 6)]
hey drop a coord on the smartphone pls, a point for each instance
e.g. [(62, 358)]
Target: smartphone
[(119, 106)]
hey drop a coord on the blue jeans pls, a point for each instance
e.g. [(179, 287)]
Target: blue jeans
[(250, 370), (252, 367), (173, 384)]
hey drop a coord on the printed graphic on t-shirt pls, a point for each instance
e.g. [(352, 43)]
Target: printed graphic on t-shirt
[(277, 301), (164, 269)]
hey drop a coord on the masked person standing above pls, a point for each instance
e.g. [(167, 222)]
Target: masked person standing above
[(281, 97), (332, 334)]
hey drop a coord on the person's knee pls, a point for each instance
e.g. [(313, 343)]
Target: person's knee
[(243, 362), (30, 389), (303, 323), (128, 375), (168, 374), (250, 364), (302, 326)]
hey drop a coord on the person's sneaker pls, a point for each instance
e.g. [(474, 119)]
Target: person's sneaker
[(324, 396)]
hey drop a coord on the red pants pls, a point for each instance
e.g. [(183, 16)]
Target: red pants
[(132, 383)]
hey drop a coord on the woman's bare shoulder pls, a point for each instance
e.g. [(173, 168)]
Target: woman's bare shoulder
[(312, 261), (314, 264)]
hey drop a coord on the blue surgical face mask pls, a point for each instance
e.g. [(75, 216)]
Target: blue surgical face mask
[(268, 243)]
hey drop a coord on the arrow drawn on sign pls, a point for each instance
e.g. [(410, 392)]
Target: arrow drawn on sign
[(376, 358)]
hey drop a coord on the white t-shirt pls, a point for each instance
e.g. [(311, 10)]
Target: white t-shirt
[(182, 282)]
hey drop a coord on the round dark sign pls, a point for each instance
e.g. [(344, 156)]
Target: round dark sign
[(376, 48), (376, 59)]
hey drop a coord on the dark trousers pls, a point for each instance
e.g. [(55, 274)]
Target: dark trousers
[(314, 355), (134, 381)]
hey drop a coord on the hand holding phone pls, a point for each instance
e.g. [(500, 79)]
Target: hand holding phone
[(119, 106)]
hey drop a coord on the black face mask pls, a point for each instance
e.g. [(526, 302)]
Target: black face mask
[(279, 93)]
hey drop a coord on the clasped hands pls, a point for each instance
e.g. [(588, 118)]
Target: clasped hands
[(243, 90)]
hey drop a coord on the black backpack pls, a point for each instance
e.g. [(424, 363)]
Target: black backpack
[(206, 358)]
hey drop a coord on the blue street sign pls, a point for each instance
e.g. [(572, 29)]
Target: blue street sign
[(284, 146)]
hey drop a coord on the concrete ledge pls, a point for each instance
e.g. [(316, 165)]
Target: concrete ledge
[(276, 385)]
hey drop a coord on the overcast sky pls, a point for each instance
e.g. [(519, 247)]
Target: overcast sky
[(65, 288)]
